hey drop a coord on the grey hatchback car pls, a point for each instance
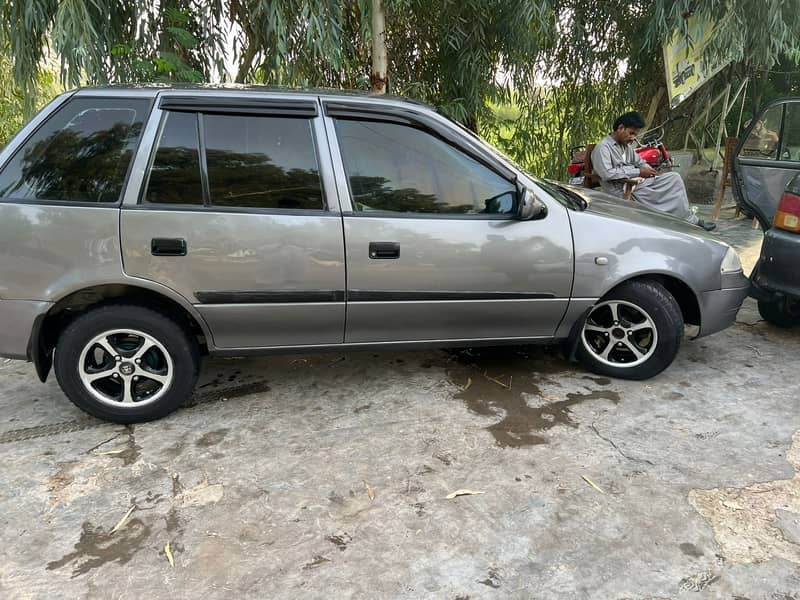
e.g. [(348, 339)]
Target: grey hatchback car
[(142, 228)]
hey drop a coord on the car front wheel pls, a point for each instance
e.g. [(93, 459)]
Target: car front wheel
[(126, 363), (634, 332)]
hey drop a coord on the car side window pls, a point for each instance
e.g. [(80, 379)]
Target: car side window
[(790, 145), (762, 142), (80, 154), (262, 162), (398, 168), (175, 172)]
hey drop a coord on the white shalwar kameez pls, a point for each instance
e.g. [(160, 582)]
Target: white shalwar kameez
[(614, 163)]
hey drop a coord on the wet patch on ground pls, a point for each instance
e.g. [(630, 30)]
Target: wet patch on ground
[(340, 541), (212, 438), (316, 562), (97, 547), (691, 550), (499, 381), (492, 580)]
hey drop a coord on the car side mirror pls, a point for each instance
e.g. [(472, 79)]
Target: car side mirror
[(530, 208)]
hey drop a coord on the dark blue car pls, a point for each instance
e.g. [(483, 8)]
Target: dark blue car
[(767, 184)]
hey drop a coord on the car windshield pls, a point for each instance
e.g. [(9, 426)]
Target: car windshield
[(562, 194)]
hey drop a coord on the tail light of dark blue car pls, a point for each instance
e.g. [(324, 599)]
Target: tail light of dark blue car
[(787, 216)]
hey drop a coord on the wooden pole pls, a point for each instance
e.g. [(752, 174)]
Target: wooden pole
[(651, 113), (722, 116)]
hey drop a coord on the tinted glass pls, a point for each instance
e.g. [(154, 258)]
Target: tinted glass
[(175, 174), (81, 154), (763, 139), (790, 147), (402, 169), (262, 162)]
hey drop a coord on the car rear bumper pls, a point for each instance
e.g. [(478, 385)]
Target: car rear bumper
[(17, 318), (718, 308), (777, 272)]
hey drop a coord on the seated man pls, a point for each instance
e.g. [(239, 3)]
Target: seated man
[(614, 161)]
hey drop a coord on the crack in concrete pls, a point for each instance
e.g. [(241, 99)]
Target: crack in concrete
[(618, 449)]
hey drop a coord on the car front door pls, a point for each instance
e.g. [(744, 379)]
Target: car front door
[(233, 212), (433, 249), (767, 157)]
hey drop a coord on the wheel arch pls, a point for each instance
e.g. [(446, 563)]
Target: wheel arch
[(48, 326), (684, 295)]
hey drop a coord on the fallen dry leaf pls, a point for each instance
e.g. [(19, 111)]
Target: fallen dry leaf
[(123, 519), (168, 552), (463, 493), (592, 483), (497, 381), (370, 492)]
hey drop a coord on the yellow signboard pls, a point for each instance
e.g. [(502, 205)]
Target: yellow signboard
[(686, 69)]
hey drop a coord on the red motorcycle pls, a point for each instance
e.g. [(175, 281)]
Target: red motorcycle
[(650, 147)]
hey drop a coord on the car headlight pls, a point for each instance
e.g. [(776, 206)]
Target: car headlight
[(731, 262)]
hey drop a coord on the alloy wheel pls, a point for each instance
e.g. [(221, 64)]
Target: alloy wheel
[(619, 334), (125, 368)]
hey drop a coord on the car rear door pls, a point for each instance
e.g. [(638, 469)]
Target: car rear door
[(235, 212), (434, 251), (767, 157)]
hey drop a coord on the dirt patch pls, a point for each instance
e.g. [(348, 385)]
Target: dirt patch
[(71, 481), (747, 522)]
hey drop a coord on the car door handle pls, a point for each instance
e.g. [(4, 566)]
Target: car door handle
[(384, 250), (168, 247)]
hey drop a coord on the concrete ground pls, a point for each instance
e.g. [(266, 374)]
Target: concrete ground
[(330, 476)]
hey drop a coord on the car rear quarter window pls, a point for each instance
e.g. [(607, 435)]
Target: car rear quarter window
[(80, 154), (175, 172), (398, 168), (262, 162)]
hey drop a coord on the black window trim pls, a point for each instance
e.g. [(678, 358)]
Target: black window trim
[(81, 203), (205, 186), (238, 105), (199, 208), (374, 114), (207, 205), (784, 118)]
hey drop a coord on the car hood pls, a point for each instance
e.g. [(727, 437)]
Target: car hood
[(602, 204)]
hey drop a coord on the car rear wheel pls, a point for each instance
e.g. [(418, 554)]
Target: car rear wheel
[(632, 333), (781, 312), (126, 363)]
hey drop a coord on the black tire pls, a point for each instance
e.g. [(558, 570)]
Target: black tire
[(657, 339), (173, 356), (781, 312)]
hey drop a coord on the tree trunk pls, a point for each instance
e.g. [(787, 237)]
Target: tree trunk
[(378, 77)]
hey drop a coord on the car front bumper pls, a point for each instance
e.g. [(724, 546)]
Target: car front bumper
[(17, 318), (718, 308)]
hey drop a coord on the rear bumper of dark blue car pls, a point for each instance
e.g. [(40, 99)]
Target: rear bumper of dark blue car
[(776, 272)]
